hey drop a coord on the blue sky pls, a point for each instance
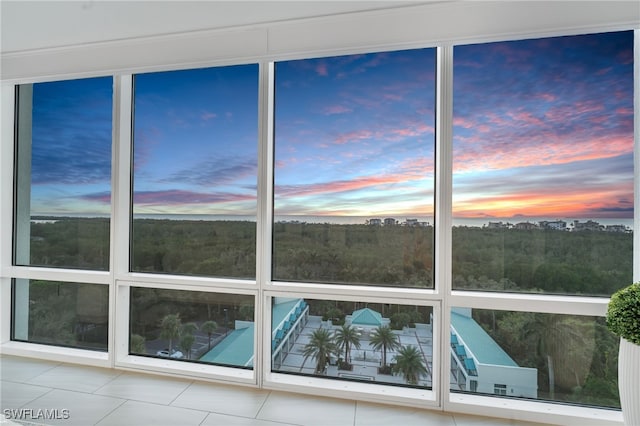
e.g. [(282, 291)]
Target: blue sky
[(541, 128), (544, 127), (71, 146), (355, 135), (196, 141)]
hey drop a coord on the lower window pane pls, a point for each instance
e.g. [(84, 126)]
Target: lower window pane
[(195, 326), (61, 313), (553, 357), (356, 341)]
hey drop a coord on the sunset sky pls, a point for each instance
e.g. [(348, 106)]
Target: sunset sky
[(541, 128)]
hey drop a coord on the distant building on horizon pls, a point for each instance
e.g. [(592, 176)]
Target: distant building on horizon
[(556, 225), (589, 225), (526, 226)]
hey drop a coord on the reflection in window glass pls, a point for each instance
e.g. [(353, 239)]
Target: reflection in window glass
[(354, 169), (553, 357), (63, 174), (195, 172), (214, 328), (61, 313), (543, 165), (369, 342)]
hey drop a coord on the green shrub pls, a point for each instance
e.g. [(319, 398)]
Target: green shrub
[(623, 313)]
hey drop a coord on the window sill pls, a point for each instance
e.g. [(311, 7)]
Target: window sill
[(533, 411)]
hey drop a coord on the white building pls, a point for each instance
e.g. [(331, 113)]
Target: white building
[(479, 364)]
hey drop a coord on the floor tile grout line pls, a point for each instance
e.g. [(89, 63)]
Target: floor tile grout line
[(170, 404), (124, 401), (263, 404)]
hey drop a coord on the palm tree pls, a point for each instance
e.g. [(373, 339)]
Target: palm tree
[(320, 347), (170, 328), (550, 333), (346, 337), (209, 327), (409, 363), (189, 328), (186, 343), (384, 338)]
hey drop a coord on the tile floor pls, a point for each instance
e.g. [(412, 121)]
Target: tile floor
[(103, 397)]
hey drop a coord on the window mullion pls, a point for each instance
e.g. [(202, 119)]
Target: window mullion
[(120, 214), (444, 132)]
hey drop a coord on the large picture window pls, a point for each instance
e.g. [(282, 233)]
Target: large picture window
[(197, 326), (274, 223), (63, 174), (354, 169), (195, 172), (61, 313), (543, 165), (354, 341), (562, 358)]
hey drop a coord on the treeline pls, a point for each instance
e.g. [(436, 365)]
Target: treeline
[(593, 263), (596, 263), (69, 243)]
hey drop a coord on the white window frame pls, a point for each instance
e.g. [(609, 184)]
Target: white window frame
[(440, 25)]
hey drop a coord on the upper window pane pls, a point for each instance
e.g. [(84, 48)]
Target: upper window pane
[(63, 174), (195, 172), (354, 169), (543, 165)]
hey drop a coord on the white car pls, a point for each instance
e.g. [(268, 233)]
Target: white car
[(174, 354)]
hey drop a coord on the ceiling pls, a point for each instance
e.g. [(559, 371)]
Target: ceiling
[(28, 25)]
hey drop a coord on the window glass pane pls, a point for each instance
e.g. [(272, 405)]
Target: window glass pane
[(356, 341), (551, 357), (354, 169), (61, 313), (197, 326), (543, 165), (195, 172), (63, 174)]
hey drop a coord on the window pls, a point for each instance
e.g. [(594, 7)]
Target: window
[(63, 174), (195, 172), (543, 165), (61, 313), (354, 169), (500, 389), (214, 328), (329, 272), (353, 341), (562, 358)]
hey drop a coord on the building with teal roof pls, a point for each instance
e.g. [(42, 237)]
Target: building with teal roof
[(366, 319), (236, 348), (479, 364)]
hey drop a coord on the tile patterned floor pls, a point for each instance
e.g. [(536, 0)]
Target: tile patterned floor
[(104, 397)]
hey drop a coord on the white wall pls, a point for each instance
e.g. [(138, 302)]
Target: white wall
[(409, 26)]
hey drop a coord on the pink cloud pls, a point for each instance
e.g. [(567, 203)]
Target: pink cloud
[(321, 69), (180, 197), (353, 136), (555, 150), (463, 122), (526, 117), (336, 109), (548, 97), (365, 182)]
